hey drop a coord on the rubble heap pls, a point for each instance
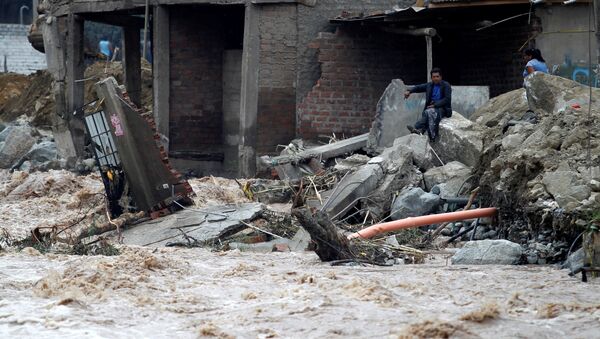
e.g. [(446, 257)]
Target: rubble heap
[(542, 168)]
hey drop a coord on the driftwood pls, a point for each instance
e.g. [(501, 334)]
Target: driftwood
[(331, 244), (114, 224)]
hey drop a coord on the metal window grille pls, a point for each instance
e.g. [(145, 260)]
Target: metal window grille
[(103, 144)]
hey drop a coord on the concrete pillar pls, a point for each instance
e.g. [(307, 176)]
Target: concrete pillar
[(161, 72), (75, 89), (249, 92), (597, 27), (54, 45), (132, 67), (232, 81)]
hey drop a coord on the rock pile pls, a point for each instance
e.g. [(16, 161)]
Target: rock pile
[(542, 168)]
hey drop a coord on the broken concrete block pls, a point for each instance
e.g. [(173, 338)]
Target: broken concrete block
[(488, 252), (323, 152), (352, 162), (460, 139), (414, 202), (448, 178), (394, 113), (353, 187), (391, 117), (400, 173), (17, 142), (423, 155)]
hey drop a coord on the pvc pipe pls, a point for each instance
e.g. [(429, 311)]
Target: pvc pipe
[(412, 222)]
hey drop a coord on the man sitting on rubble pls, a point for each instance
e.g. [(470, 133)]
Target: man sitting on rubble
[(438, 104)]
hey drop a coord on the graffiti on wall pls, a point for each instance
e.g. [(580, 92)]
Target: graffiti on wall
[(577, 71)]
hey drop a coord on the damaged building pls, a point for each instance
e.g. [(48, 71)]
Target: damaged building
[(234, 79)]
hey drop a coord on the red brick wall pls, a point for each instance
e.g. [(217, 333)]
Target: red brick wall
[(277, 93), (196, 51), (357, 64)]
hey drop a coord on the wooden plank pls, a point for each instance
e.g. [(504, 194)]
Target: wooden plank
[(132, 67)]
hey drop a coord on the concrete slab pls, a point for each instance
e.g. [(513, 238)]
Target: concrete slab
[(353, 187), (325, 151), (394, 113), (194, 223)]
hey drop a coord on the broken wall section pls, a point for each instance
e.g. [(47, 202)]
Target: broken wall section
[(312, 20), (357, 63)]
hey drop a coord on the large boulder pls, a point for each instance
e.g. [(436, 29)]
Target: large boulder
[(566, 187), (513, 104), (575, 261), (17, 142), (488, 252), (423, 155), (449, 178), (552, 93), (414, 202), (43, 156), (460, 139)]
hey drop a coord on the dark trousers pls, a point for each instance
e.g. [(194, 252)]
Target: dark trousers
[(430, 121)]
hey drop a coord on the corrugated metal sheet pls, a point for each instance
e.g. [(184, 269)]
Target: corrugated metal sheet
[(396, 11)]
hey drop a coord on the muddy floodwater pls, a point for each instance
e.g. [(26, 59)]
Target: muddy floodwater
[(190, 293)]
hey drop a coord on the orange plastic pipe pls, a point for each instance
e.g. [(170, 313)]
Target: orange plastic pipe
[(412, 222)]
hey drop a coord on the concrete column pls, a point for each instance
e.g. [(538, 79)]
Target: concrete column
[(74, 72), (232, 81), (597, 27), (55, 59), (161, 72), (132, 67), (249, 92)]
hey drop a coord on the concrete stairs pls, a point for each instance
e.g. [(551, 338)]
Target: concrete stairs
[(20, 56)]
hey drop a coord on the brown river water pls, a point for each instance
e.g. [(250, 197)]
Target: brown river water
[(191, 293)]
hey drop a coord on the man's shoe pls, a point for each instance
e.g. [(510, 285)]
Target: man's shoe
[(413, 130)]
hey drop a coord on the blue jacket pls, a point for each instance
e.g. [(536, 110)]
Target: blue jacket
[(445, 103)]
